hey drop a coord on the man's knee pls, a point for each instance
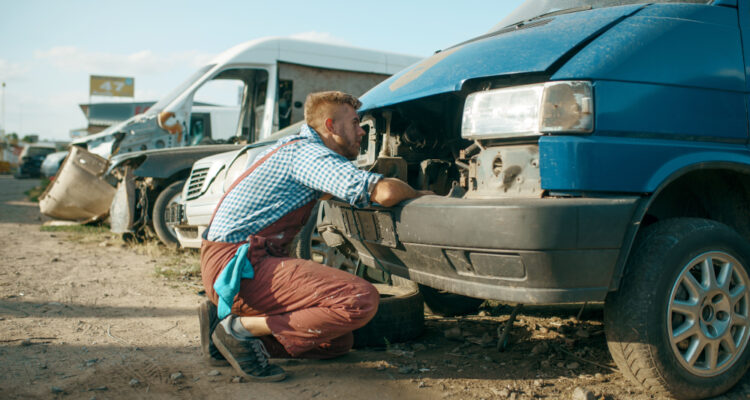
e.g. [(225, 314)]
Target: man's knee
[(366, 303)]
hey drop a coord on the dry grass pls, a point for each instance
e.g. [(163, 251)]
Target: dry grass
[(87, 234), (171, 263)]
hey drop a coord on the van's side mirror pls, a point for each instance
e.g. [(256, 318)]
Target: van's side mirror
[(297, 104)]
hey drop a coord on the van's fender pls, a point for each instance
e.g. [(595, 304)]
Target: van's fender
[(669, 173)]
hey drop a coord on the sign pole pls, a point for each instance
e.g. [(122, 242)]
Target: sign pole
[(2, 132)]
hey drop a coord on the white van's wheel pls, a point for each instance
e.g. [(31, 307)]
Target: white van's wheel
[(680, 323), (170, 195)]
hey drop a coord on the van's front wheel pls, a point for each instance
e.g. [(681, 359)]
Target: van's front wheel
[(680, 323)]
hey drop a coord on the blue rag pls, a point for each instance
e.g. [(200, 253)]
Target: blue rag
[(227, 285)]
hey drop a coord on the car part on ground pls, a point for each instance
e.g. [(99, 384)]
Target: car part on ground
[(80, 193), (679, 325)]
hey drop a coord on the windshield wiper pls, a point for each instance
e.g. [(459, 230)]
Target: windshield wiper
[(554, 13)]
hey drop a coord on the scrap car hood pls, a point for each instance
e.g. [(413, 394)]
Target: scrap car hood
[(162, 163), (531, 48)]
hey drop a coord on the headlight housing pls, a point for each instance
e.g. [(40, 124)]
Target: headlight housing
[(236, 168), (529, 110)]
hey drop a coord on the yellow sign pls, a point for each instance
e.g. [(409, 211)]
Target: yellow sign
[(111, 86)]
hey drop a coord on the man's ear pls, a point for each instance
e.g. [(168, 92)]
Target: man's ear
[(329, 124)]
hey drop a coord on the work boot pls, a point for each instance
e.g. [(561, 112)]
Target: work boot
[(208, 320), (248, 356)]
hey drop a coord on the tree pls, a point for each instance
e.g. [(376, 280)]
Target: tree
[(11, 138), (30, 139)]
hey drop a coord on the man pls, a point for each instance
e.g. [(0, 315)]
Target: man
[(270, 304)]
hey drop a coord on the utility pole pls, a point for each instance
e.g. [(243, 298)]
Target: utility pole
[(2, 132)]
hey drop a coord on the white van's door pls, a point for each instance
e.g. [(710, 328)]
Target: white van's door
[(232, 87)]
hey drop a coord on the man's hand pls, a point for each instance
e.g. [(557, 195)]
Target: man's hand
[(390, 191)]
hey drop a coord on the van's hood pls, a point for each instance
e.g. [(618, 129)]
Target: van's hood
[(532, 48)]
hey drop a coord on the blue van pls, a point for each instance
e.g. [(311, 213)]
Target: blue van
[(582, 150)]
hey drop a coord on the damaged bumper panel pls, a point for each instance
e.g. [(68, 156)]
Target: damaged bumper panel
[(188, 235), (123, 205), (81, 191), (518, 250)]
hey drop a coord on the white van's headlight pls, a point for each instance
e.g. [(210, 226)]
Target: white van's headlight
[(565, 106)]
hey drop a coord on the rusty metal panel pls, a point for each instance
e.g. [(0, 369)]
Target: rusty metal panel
[(79, 193), (308, 80)]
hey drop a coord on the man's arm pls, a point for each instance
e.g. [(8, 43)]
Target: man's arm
[(390, 191)]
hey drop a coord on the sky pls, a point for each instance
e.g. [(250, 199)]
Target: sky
[(48, 49)]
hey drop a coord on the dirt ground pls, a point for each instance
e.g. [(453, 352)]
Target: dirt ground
[(85, 316)]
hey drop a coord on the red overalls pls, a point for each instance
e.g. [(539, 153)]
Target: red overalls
[(311, 309)]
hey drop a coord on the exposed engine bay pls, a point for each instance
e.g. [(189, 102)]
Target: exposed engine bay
[(420, 143)]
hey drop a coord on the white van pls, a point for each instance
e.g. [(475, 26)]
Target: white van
[(269, 78), (239, 78)]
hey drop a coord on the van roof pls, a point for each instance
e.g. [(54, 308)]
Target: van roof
[(306, 52)]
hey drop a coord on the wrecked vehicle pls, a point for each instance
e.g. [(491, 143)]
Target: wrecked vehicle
[(582, 150), (208, 124), (273, 75), (52, 163), (276, 75), (209, 179), (31, 158)]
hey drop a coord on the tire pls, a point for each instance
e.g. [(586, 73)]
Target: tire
[(661, 277), (400, 317), (448, 304), (170, 194), (400, 314)]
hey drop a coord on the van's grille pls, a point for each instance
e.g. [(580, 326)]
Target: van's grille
[(195, 183)]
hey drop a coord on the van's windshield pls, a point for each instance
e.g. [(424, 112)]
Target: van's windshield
[(164, 101), (532, 9)]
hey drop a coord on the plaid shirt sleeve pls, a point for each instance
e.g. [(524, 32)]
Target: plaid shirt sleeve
[(322, 169)]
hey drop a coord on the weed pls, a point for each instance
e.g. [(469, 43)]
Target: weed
[(93, 229), (34, 193), (184, 266), (88, 233), (173, 263)]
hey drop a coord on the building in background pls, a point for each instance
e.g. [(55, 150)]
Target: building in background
[(102, 115)]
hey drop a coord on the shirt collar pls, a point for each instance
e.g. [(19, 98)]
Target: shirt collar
[(308, 132)]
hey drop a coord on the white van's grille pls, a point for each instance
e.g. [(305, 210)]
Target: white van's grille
[(195, 183)]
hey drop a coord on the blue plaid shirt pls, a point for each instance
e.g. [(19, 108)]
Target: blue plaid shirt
[(293, 176)]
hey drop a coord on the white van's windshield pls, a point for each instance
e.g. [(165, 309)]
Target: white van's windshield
[(532, 9), (159, 106)]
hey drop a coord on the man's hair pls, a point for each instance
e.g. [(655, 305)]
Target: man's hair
[(321, 105)]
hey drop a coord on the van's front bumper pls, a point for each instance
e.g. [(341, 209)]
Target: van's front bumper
[(549, 250)]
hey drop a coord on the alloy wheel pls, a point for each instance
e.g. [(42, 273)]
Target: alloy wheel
[(708, 315)]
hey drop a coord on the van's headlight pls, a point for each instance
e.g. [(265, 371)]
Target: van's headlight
[(552, 107)]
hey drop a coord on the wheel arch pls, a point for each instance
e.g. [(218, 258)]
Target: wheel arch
[(154, 186), (718, 191)]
